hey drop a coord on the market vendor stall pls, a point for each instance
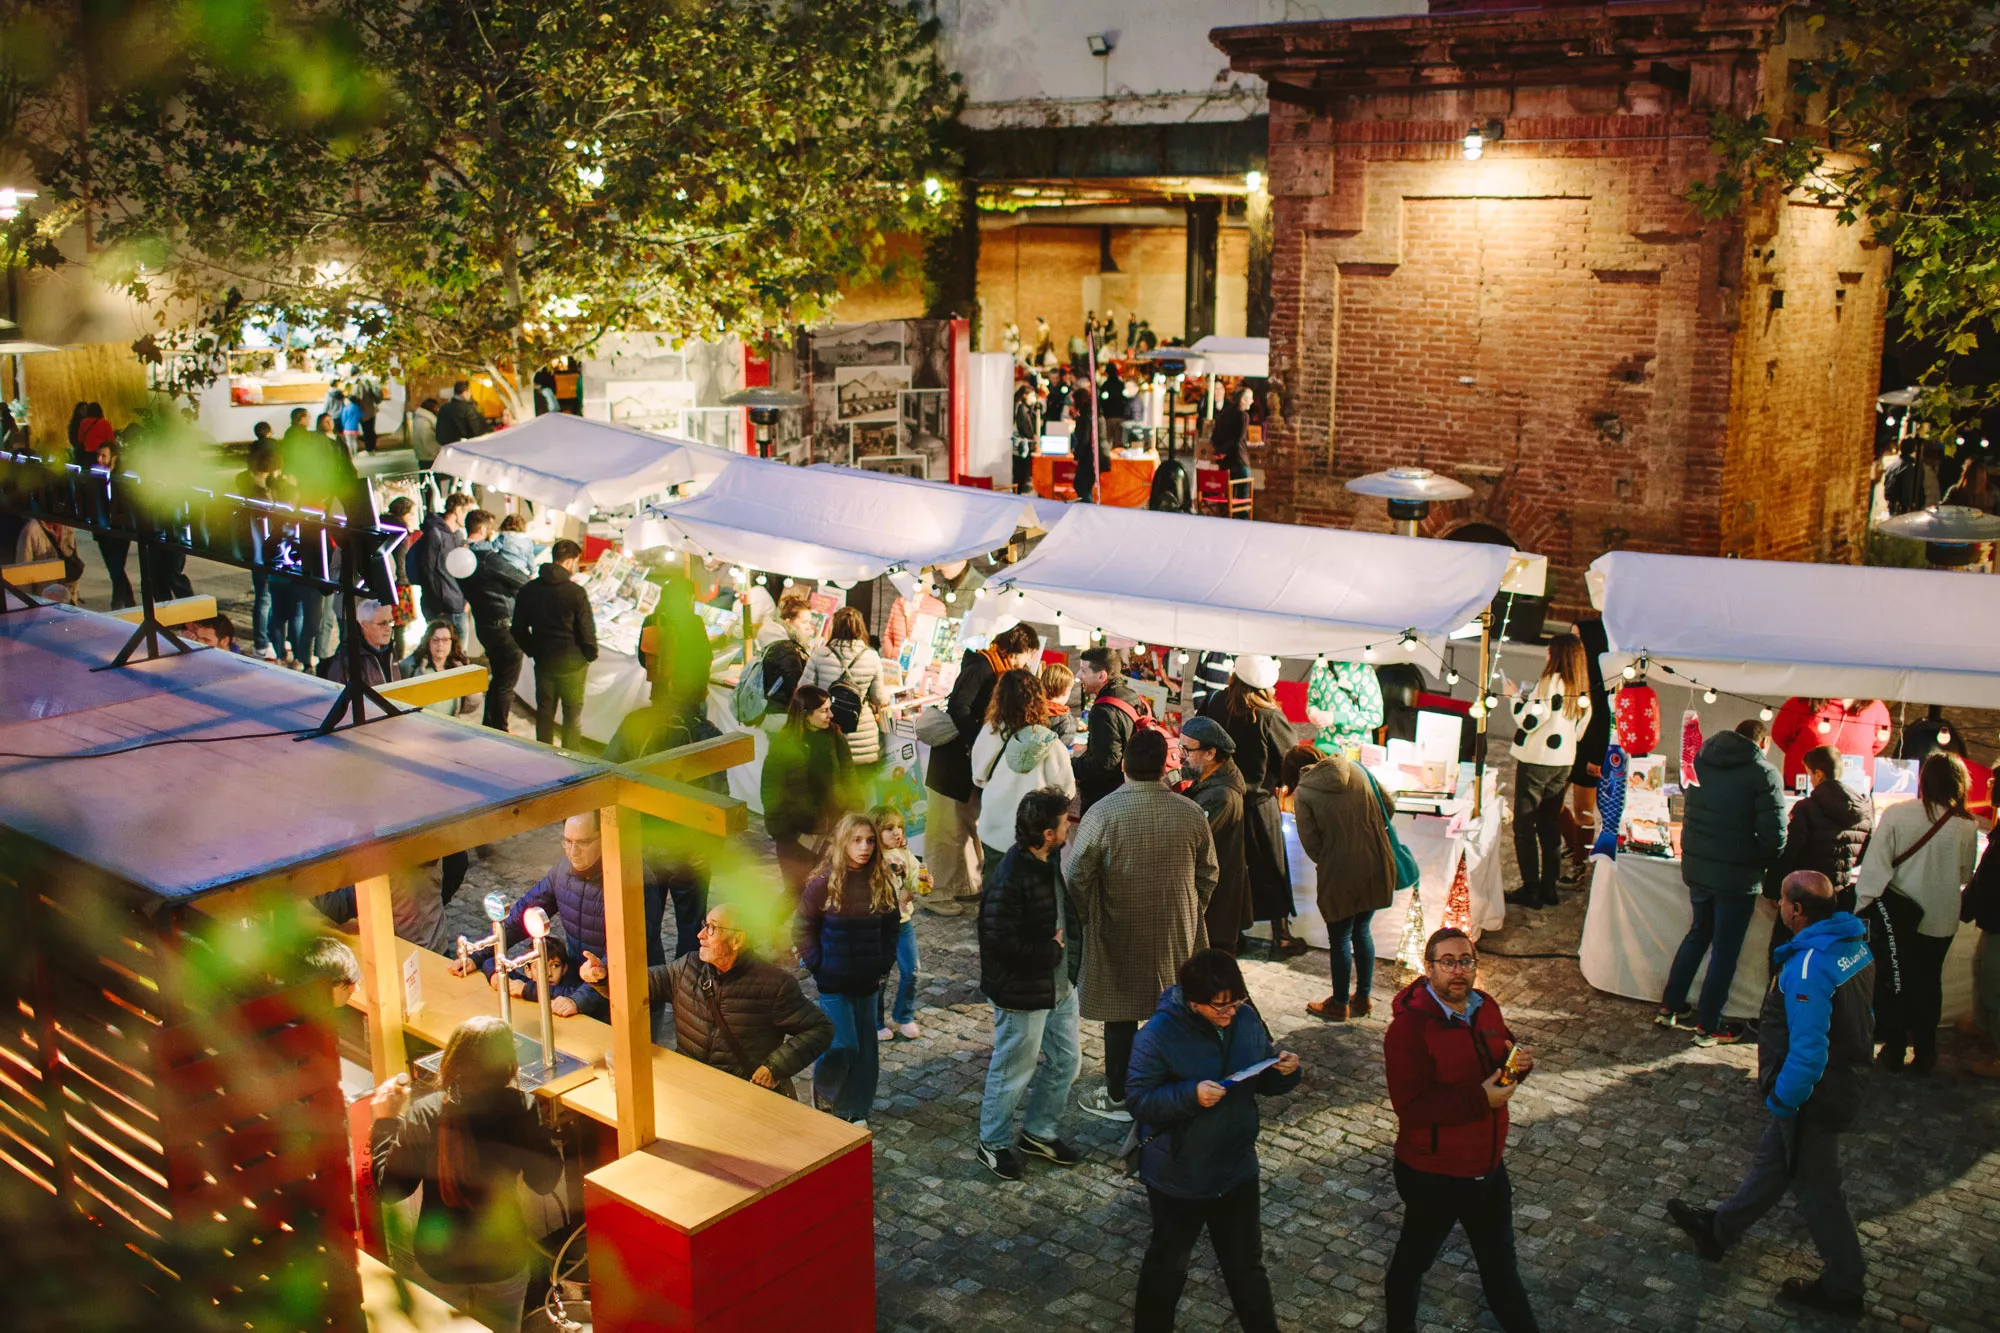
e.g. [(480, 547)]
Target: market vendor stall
[(576, 465), (1444, 846)]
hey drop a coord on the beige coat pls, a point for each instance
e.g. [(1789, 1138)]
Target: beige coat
[(1140, 869), (860, 666), (1341, 829)]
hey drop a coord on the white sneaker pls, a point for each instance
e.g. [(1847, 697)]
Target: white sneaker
[(268, 653), (1099, 1104), (910, 1031)]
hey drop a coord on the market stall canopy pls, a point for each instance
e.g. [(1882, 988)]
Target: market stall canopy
[(1231, 586), (837, 523), (1234, 356), (1043, 514), (1777, 629), (577, 464)]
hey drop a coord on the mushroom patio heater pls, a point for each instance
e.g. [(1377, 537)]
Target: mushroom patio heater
[(1951, 534), (764, 403), (1410, 492)]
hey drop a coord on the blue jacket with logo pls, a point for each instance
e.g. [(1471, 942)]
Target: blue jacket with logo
[(1817, 1030)]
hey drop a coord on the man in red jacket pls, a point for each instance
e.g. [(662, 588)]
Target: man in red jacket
[(1445, 1052)]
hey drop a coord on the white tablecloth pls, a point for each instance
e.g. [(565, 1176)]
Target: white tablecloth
[(1438, 848), (1639, 912), (614, 687)]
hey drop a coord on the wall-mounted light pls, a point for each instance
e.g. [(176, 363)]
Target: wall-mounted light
[(11, 200), (1479, 136), (1253, 181), (1102, 43)]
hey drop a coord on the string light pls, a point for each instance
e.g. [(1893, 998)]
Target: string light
[(1631, 672), (763, 580), (1492, 701), (1451, 678), (1409, 643), (950, 597), (1944, 736), (1764, 715), (1708, 696), (788, 583), (1824, 726), (1368, 653)]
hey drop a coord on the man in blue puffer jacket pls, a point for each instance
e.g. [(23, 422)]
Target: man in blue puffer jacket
[(1199, 1131), (1814, 1040)]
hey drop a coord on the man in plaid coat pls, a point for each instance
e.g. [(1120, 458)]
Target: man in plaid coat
[(1141, 869)]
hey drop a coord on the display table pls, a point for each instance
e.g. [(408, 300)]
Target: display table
[(1439, 844), (614, 687), (1127, 483), (1639, 912)]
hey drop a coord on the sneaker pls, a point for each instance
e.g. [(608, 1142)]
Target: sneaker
[(1099, 1104), (937, 905), (909, 1031), (1682, 1017), (885, 1034), (1814, 1295), (1700, 1224), (1002, 1162), (1055, 1150), (268, 653), (1523, 898), (1726, 1035)]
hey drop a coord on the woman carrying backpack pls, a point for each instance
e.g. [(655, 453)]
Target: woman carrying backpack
[(1015, 753), (851, 673)]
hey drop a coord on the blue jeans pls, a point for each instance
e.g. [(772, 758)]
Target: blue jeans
[(1019, 1037), (287, 620), (1353, 950), (845, 1077), (1720, 920), (260, 608), (906, 977)]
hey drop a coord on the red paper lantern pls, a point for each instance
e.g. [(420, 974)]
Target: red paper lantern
[(1637, 713)]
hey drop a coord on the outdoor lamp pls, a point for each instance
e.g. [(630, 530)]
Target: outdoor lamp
[(1410, 492), (1102, 43), (764, 403), (1479, 136), (1951, 534)]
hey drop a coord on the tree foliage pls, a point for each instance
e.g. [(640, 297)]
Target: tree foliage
[(1896, 122), (499, 182)]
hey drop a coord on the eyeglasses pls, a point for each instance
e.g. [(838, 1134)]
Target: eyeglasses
[(711, 928), (1223, 1006), (1456, 963)]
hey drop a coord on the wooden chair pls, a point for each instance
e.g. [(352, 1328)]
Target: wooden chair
[(1217, 494)]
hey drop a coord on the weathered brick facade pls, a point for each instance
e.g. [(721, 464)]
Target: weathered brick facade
[(1553, 323)]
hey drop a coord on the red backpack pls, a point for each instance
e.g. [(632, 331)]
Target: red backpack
[(1143, 720)]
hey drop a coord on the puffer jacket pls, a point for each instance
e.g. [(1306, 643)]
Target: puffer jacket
[(1006, 770), (553, 621), (1436, 1063), (1199, 1152), (491, 588), (1021, 907), (1817, 1030), (852, 661), (1341, 830), (577, 900), (1827, 832), (775, 1026), (848, 951), (1735, 824)]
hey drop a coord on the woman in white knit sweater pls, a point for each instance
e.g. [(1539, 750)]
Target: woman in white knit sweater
[(1547, 722), (1919, 857), (846, 659), (1015, 753)]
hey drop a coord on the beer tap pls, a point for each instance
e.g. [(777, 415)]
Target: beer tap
[(496, 906), (537, 922)]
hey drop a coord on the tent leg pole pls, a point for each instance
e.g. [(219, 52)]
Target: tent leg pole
[(1479, 744), (1187, 687), (381, 978), (625, 953)]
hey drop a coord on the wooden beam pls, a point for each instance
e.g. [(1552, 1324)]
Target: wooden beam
[(180, 611), (382, 975), (434, 687), (685, 763), (33, 573), (625, 950), (693, 807)]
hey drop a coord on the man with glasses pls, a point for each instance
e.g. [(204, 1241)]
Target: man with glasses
[(1447, 1053)]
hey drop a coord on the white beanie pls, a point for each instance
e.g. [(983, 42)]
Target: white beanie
[(1259, 673)]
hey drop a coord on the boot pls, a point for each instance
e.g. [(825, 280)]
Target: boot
[(1284, 944), (1361, 1006)]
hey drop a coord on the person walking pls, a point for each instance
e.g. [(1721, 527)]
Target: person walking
[(1980, 906), (490, 590), (1444, 1055), (847, 925), (1734, 828), (443, 532), (845, 662), (420, 432), (1194, 1108), (1111, 716), (1216, 785), (1249, 712), (1016, 753), (554, 625), (1547, 723), (1918, 860), (951, 822), (1345, 834), (114, 550), (469, 1146), (1827, 832), (808, 784), (1813, 1040), (1030, 951), (1141, 872)]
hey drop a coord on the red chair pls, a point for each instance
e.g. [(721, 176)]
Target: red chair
[(1063, 472), (1216, 494)]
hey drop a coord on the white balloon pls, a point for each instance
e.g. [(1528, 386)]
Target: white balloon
[(461, 562)]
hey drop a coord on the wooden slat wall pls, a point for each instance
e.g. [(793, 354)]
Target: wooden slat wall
[(103, 373)]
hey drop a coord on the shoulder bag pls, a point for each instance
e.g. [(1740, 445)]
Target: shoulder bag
[(1408, 873)]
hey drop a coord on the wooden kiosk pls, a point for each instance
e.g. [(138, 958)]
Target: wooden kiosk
[(187, 1114)]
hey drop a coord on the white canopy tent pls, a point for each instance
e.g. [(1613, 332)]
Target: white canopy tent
[(1777, 629), (1231, 586), (1234, 356), (838, 523), (1042, 513), (576, 464)]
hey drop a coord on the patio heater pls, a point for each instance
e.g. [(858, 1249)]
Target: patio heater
[(1410, 491), (764, 403), (1951, 534)]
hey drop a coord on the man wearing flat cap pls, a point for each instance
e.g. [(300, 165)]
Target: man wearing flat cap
[(1217, 788)]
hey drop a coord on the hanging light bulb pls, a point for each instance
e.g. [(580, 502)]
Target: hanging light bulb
[(1944, 735), (1478, 710), (788, 583), (978, 593), (1708, 696), (1409, 643), (1631, 672), (1451, 678), (736, 572), (762, 580), (950, 597), (1824, 726), (1368, 653), (1764, 715), (1492, 701)]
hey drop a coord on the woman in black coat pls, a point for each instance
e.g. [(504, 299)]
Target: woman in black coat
[(1250, 714), (808, 784)]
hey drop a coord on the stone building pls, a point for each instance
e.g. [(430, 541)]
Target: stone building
[(1537, 310)]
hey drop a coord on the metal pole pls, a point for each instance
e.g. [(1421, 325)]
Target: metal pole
[(500, 971), (541, 966), (1479, 745)]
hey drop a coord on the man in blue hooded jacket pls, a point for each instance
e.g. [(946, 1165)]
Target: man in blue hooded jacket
[(1814, 1040)]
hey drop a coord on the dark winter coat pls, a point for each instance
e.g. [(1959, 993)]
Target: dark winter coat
[(378, 666), (950, 772), (783, 663), (1021, 907), (1980, 903), (1436, 1064), (553, 621), (1827, 833), (1101, 766), (847, 947), (426, 566), (1261, 740), (577, 900), (807, 783), (775, 1026), (1817, 1029), (1199, 1152), (1220, 796), (1735, 825), (1341, 831), (490, 589)]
